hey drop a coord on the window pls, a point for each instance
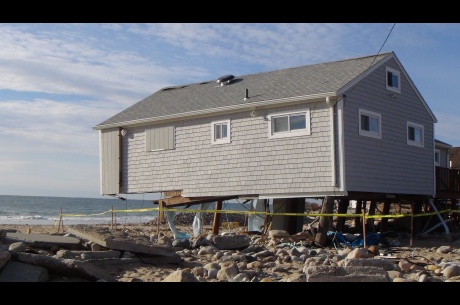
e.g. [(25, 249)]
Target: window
[(289, 124), (393, 80), (220, 132), (160, 138), (370, 124), (414, 134), (437, 157)]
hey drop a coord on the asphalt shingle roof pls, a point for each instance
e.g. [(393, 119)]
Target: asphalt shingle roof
[(278, 84)]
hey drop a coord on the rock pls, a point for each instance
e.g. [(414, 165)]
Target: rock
[(451, 271), (96, 247), (183, 276), (5, 257), (444, 249), (22, 272), (358, 253), (278, 233), (231, 242), (227, 273), (17, 247)]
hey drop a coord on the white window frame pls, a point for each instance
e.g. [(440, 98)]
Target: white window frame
[(289, 133), (367, 133), (225, 140), (415, 143), (437, 152), (398, 74)]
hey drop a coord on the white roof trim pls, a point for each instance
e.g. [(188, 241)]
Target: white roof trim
[(232, 108), (392, 55)]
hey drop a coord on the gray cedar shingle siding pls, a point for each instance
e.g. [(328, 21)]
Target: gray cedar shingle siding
[(250, 164), (387, 165)]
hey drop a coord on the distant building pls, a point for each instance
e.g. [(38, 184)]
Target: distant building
[(454, 158)]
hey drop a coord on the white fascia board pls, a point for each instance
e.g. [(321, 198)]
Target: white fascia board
[(392, 55), (221, 110)]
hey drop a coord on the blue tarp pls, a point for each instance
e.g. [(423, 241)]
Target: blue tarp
[(371, 239)]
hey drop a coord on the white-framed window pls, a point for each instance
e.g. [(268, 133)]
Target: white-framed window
[(415, 134), (220, 132), (437, 157), (393, 80), (289, 124), (160, 138), (370, 124)]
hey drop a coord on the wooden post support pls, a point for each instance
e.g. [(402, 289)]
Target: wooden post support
[(159, 218), (325, 222), (372, 207), (112, 217), (60, 222), (386, 211), (364, 225), (343, 209), (216, 224), (412, 225), (359, 204)]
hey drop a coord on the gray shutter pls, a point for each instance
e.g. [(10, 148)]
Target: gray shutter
[(159, 138)]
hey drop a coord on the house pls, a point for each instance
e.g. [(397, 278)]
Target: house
[(447, 172), (356, 128), (441, 153), (454, 158)]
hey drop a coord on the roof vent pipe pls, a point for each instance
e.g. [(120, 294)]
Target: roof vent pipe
[(246, 95)]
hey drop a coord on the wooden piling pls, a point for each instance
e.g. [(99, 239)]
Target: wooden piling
[(216, 224), (325, 222)]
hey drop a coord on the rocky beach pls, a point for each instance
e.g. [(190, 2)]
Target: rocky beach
[(148, 252)]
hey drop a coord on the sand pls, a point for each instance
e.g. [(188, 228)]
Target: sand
[(424, 248)]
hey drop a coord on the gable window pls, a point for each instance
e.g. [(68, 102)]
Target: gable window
[(289, 124), (220, 132), (370, 124), (437, 157), (414, 134), (159, 138), (393, 80)]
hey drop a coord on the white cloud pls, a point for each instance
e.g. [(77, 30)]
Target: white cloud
[(51, 126)]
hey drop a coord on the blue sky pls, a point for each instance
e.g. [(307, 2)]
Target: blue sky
[(58, 80)]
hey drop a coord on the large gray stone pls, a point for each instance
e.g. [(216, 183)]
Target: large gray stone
[(346, 274), (43, 240), (5, 257), (181, 276), (22, 272), (384, 263), (231, 242), (68, 267)]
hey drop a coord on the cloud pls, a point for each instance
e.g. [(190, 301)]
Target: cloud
[(51, 126), (71, 64)]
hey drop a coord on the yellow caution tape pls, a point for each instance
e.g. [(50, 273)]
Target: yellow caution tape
[(264, 213)]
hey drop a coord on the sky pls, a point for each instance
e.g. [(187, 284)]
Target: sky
[(59, 80)]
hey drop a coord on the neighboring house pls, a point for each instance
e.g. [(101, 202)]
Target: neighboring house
[(357, 128), (454, 158), (441, 153)]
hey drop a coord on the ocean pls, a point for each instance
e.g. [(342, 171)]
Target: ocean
[(40, 210)]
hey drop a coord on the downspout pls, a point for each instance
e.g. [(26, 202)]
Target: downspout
[(101, 188), (340, 107), (120, 143), (331, 105)]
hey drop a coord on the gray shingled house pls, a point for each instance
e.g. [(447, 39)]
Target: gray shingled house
[(354, 128)]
